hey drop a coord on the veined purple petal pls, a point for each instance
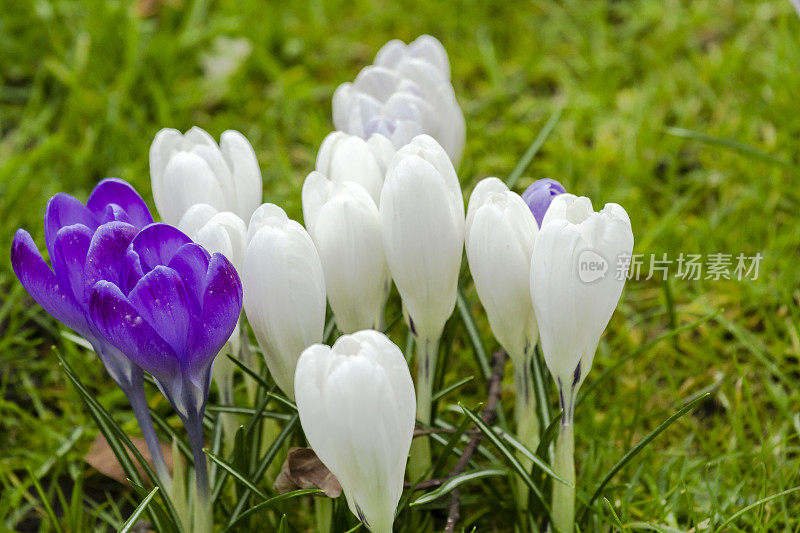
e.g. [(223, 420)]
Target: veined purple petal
[(162, 299), (64, 210), (69, 259), (131, 271), (41, 284), (191, 264), (117, 192), (157, 244), (222, 304), (104, 259), (123, 326)]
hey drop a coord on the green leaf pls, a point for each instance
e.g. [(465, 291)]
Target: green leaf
[(549, 435), (271, 503), (241, 478), (450, 388), (129, 523), (509, 456), (730, 144), (244, 368), (534, 147), (762, 501), (455, 482), (474, 336), (533, 457), (45, 500), (639, 447)]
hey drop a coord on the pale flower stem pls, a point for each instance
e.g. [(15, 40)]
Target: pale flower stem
[(564, 465), (194, 429), (527, 420), (142, 411), (323, 514), (420, 459)]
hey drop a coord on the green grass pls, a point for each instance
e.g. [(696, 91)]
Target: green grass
[(84, 86)]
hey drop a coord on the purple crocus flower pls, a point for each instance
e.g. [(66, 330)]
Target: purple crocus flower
[(171, 311), (87, 243), (539, 195)]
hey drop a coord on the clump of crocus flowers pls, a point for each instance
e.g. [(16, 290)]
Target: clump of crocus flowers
[(384, 204)]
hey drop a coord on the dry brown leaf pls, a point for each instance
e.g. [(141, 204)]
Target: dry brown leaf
[(102, 458), (303, 470)]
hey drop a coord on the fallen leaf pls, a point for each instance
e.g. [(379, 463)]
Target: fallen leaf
[(102, 458), (303, 470)]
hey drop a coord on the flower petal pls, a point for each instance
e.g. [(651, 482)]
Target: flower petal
[(69, 260), (191, 264), (41, 284), (64, 210), (104, 259), (157, 244), (117, 192), (162, 300), (222, 305), (123, 326)]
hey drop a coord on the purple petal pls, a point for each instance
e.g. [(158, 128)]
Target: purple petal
[(104, 260), (41, 284), (162, 299), (69, 260), (157, 244), (64, 210), (222, 304), (131, 271), (118, 193), (539, 196), (191, 264), (124, 327)]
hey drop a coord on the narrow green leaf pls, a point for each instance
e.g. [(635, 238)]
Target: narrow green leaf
[(244, 368), (549, 435), (450, 388), (544, 467), (762, 501), (730, 144), (639, 447), (271, 503), (534, 147), (283, 527), (241, 478), (474, 336), (45, 501), (509, 456), (456, 481), (284, 400), (614, 516), (131, 521)]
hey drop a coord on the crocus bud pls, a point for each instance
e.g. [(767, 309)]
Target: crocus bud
[(344, 157), (406, 92), (345, 225), (577, 275), (422, 215), (356, 406), (188, 169), (284, 291), (500, 233), (218, 232), (539, 196)]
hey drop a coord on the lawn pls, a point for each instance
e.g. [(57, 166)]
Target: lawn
[(686, 113)]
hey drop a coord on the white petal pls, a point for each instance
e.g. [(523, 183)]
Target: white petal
[(241, 158), (188, 180)]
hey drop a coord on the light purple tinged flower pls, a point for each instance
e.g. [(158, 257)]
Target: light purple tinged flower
[(539, 195), (87, 243), (170, 311)]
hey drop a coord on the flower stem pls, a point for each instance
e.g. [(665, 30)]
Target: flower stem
[(136, 397), (420, 459), (323, 514), (527, 420), (194, 429), (564, 465)]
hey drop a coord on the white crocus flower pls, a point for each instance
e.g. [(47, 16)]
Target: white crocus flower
[(188, 169), (422, 218), (345, 225), (404, 93), (284, 291), (356, 406), (579, 266), (500, 234), (344, 157)]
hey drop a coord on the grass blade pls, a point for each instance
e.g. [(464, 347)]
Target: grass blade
[(48, 508), (241, 478), (474, 336), (450, 388), (456, 481), (271, 502), (131, 521), (534, 147), (730, 144), (639, 447), (762, 501), (508, 455)]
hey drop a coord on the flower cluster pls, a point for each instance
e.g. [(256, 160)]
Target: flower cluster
[(383, 205)]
